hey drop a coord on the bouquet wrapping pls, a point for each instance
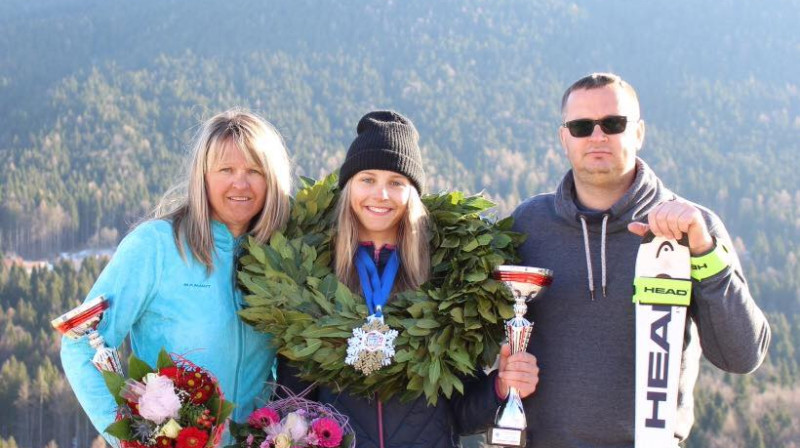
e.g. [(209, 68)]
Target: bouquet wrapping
[(294, 422), (177, 404)]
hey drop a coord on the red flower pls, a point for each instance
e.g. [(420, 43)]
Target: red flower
[(327, 431), (202, 394), (192, 437), (164, 442), (195, 380), (132, 444), (134, 407), (171, 373)]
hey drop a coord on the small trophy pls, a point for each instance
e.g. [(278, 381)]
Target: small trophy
[(83, 320), (525, 284)]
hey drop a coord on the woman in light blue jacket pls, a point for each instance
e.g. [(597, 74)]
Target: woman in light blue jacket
[(171, 282)]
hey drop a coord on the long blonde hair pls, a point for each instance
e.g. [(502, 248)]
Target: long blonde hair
[(187, 205), (412, 243)]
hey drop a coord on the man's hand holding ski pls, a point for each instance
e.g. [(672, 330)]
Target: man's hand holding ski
[(673, 219)]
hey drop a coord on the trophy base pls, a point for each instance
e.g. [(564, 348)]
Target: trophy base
[(506, 437)]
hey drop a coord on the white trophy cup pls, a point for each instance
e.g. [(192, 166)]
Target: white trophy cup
[(525, 284), (83, 320)]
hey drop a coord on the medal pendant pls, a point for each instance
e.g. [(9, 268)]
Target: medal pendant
[(371, 346)]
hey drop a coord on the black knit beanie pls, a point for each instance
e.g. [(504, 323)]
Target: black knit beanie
[(387, 141)]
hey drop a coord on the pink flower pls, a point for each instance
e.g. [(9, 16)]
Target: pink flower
[(263, 417), (250, 440), (327, 431), (159, 401)]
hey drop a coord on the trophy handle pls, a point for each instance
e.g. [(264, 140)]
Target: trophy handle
[(82, 321)]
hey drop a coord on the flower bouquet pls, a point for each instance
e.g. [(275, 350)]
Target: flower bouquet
[(294, 422), (177, 404)]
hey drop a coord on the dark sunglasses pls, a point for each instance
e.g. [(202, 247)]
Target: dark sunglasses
[(583, 127)]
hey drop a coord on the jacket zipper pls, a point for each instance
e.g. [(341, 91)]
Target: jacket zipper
[(240, 329), (380, 423)]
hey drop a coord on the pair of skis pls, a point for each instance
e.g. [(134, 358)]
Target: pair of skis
[(663, 288)]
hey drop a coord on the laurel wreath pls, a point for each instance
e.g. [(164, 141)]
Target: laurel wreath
[(449, 327)]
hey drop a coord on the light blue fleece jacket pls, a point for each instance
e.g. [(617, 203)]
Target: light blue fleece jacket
[(162, 300)]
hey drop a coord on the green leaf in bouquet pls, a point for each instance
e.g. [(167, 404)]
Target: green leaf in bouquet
[(114, 383), (137, 368), (239, 431), (120, 429), (225, 411), (347, 441), (164, 360)]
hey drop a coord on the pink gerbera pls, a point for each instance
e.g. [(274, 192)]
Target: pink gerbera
[(328, 432), (261, 418)]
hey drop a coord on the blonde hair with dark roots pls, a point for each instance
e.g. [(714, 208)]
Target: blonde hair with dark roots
[(412, 244), (187, 205)]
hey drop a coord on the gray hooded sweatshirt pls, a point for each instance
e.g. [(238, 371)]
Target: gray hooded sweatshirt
[(585, 346)]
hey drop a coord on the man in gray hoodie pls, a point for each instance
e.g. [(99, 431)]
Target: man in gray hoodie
[(588, 232)]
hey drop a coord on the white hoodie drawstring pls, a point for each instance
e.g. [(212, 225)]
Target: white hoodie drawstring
[(589, 255), (603, 253)]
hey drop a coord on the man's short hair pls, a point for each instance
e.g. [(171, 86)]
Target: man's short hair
[(596, 81)]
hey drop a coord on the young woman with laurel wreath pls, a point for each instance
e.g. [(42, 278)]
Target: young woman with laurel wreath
[(380, 249), (171, 282)]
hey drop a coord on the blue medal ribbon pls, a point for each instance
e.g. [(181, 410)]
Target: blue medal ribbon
[(376, 288)]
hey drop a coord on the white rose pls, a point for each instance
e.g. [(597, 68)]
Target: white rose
[(171, 429)]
